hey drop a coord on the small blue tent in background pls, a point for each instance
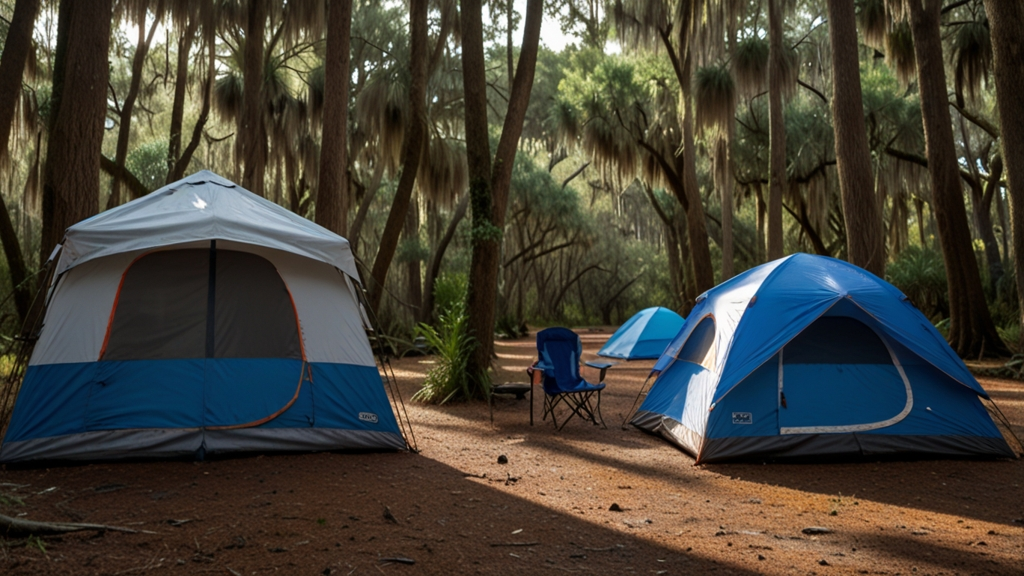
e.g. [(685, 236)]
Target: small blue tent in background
[(809, 356), (644, 336)]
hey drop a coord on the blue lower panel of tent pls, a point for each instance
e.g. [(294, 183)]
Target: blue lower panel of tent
[(944, 419), (175, 407)]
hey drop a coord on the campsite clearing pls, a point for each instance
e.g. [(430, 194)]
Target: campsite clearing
[(583, 500)]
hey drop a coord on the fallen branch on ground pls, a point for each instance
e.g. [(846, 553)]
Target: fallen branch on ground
[(17, 527)]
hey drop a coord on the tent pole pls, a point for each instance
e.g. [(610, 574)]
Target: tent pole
[(632, 408), (389, 373), (24, 343)]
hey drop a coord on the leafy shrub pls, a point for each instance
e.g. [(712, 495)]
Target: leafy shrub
[(448, 379), (921, 275), (508, 326), (450, 292), (148, 163), (1010, 334)]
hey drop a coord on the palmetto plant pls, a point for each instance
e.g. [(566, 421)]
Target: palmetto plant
[(449, 379)]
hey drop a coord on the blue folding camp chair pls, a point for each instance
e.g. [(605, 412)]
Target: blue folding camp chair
[(558, 350)]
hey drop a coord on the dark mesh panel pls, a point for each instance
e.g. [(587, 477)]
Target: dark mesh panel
[(836, 340), (253, 314), (161, 308), (698, 344)]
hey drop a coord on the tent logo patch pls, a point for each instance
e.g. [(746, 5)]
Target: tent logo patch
[(368, 417), (742, 418)]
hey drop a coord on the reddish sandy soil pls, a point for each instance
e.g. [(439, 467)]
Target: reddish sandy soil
[(456, 510)]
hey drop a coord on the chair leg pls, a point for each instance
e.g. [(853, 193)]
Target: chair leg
[(603, 425), (550, 403)]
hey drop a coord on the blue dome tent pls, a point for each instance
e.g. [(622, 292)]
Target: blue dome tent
[(644, 336), (809, 356)]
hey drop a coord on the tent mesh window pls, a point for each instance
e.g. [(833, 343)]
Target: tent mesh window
[(699, 347), (837, 340), (202, 303)]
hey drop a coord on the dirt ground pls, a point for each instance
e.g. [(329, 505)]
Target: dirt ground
[(453, 508)]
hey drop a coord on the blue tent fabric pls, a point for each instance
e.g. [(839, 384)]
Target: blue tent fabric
[(812, 356), (644, 336)]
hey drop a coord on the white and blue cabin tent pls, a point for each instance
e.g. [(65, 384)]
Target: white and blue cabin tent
[(808, 356), (644, 336), (200, 319)]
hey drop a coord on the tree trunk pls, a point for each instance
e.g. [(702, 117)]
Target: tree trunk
[(725, 184), (72, 172), (971, 331), (178, 104), (922, 237), (332, 196), (252, 132), (412, 149), (181, 164), (675, 267), (981, 202), (128, 106), (1005, 21), (762, 212), (414, 270), (696, 222), (12, 69), (865, 240), (776, 130), (485, 180), (434, 266), (364, 207), (690, 292)]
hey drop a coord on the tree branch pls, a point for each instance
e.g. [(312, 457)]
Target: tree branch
[(575, 174), (978, 121), (136, 187), (813, 89)]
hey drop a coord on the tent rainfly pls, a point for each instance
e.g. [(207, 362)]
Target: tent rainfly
[(644, 336), (200, 319), (808, 356)]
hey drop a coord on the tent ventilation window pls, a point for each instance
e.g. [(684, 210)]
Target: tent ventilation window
[(700, 346)]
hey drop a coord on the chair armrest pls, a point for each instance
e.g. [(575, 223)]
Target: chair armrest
[(602, 366), (536, 372)]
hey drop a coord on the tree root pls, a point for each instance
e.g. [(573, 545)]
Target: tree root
[(17, 527)]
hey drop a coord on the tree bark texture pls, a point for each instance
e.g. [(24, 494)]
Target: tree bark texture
[(489, 209), (412, 150), (178, 103), (12, 69), (414, 268), (1006, 23), (252, 133), (332, 195), (725, 183), (776, 130), (865, 233), (434, 265), (181, 164), (971, 330), (72, 171), (369, 192), (685, 166), (124, 130), (696, 222)]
